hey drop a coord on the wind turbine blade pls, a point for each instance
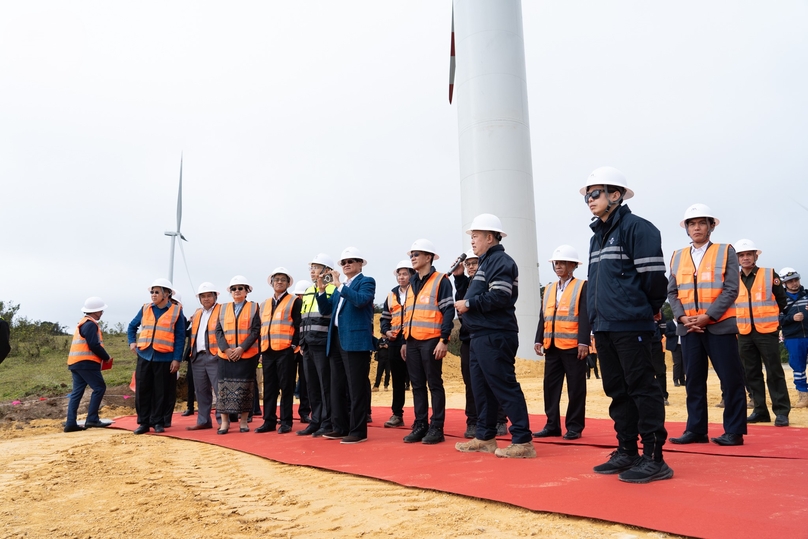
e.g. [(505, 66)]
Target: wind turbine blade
[(452, 60), (185, 263), (179, 200)]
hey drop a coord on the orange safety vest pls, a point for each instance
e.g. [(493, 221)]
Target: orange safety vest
[(765, 312), (79, 350), (396, 313), (698, 290), (159, 334), (277, 329), (236, 330), (561, 321), (211, 345), (422, 318)]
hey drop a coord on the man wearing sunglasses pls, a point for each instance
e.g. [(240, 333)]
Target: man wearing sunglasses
[(626, 288), (427, 326), (350, 341), (159, 348)]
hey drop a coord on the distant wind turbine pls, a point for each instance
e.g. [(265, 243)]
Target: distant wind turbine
[(177, 234)]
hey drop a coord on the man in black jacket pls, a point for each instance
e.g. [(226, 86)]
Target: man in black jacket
[(626, 287)]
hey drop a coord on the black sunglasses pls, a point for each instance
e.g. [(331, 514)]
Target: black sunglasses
[(415, 254), (348, 261), (594, 194), (237, 288)]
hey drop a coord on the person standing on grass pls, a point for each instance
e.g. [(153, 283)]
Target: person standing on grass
[(87, 352)]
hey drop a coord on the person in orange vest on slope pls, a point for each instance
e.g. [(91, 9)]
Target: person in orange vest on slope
[(203, 354), (87, 352), (702, 288), (159, 347), (563, 338), (761, 299), (280, 333)]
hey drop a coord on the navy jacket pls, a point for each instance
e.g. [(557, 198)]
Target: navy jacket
[(355, 317), (796, 303), (492, 295), (626, 282)]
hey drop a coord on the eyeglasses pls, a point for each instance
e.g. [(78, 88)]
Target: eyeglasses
[(349, 261), (237, 288), (415, 254), (594, 194), (471, 263), (280, 280), (155, 292)]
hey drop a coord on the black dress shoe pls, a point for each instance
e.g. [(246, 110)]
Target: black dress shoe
[(544, 433), (102, 425), (309, 430), (572, 435), (186, 413), (781, 421), (319, 433), (305, 419), (199, 427), (688, 437), (729, 439), (335, 435), (756, 417), (74, 428), (284, 429), (265, 427), (159, 428), (142, 429)]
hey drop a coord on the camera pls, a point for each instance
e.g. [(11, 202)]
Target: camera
[(327, 277)]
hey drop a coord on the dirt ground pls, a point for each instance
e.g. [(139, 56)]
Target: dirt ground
[(109, 483)]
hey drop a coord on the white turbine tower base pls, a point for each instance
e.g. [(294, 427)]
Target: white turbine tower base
[(496, 170)]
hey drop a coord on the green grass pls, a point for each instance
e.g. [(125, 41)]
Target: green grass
[(43, 373)]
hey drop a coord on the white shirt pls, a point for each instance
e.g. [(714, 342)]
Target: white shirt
[(560, 289), (201, 338), (697, 253), (342, 299)]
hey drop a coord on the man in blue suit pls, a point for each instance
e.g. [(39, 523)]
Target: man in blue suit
[(350, 341)]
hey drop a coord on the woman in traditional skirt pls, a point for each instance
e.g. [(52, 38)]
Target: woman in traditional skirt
[(237, 333)]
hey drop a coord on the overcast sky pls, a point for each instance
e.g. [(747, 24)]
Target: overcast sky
[(312, 126)]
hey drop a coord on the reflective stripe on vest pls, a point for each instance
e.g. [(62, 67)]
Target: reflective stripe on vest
[(210, 336), (277, 328), (561, 321), (422, 318), (310, 317), (396, 313), (765, 312), (79, 350), (159, 334), (698, 291), (236, 330)]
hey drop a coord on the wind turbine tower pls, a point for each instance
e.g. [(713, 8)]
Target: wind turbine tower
[(176, 233)]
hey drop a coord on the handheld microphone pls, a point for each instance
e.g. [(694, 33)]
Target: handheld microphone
[(457, 262)]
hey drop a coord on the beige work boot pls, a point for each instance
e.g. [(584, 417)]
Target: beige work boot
[(477, 446), (517, 451), (803, 402)]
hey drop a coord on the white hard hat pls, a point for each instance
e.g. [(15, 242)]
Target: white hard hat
[(324, 260), (608, 176), (565, 253), (744, 245), (352, 252), (787, 274), (162, 283), (176, 296), (698, 210), (206, 287), (284, 271), (486, 221), (93, 305), (240, 279), (403, 264), (423, 245), (301, 287), (470, 254)]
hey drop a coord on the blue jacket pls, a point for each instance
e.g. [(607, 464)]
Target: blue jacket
[(492, 295), (796, 303), (179, 336), (355, 316), (627, 283)]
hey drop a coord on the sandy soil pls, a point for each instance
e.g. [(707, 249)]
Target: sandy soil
[(109, 483)]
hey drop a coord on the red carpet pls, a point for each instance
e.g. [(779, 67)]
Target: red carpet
[(756, 490)]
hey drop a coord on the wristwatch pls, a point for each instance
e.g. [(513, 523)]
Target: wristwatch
[(445, 341), (468, 305)]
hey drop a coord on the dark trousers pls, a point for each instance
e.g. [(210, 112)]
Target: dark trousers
[(559, 364), (279, 377), (170, 398), (318, 383), (81, 379), (637, 406), (151, 388), (350, 389), (426, 372), (660, 369), (757, 350), (302, 389), (189, 379), (492, 361), (471, 407), (382, 367), (678, 365), (722, 351), (398, 371)]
